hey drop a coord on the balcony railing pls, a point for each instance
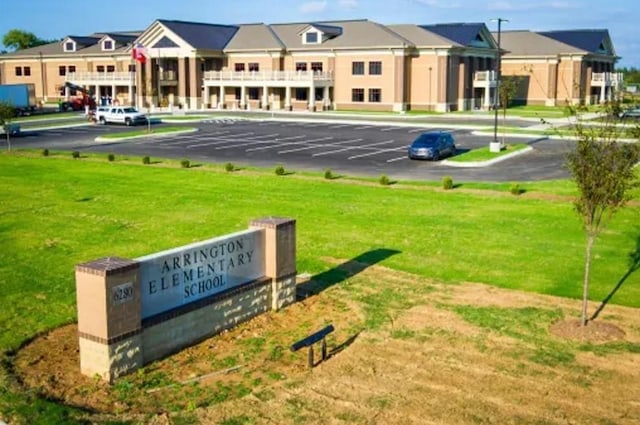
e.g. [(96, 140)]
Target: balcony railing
[(268, 76), (168, 75), (485, 77), (100, 76), (607, 78)]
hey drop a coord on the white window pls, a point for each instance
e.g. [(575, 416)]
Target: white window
[(107, 45), (69, 46), (312, 37)]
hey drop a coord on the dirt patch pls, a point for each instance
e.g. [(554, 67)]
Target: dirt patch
[(401, 354), (593, 332)]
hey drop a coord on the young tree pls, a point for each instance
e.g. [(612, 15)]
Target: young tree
[(603, 169), (7, 113), (18, 39)]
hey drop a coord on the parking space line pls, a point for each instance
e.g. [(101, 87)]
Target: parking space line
[(353, 147), (417, 130), (377, 152), (389, 129), (319, 146), (277, 145), (340, 126), (221, 140), (240, 145), (397, 159), (362, 127)]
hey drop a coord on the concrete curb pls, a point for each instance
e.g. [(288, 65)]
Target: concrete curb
[(142, 136), (56, 127), (486, 163), (368, 122)]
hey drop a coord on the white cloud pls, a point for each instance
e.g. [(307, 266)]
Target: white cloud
[(439, 4), (348, 4), (313, 6), (520, 5)]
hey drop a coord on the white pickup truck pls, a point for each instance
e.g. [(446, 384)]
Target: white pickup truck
[(120, 114)]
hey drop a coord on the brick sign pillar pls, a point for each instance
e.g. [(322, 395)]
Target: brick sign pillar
[(280, 258), (109, 317)]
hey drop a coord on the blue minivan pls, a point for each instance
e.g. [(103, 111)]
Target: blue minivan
[(432, 145)]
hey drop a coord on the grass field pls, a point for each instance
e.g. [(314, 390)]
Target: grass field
[(56, 212)]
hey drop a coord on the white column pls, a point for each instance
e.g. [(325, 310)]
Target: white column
[(243, 96), (66, 93), (287, 98), (207, 97), (487, 97), (221, 98), (97, 94), (312, 95), (113, 93), (265, 97), (325, 98)]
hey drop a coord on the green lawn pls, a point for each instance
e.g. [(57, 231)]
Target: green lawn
[(483, 154), (56, 212)]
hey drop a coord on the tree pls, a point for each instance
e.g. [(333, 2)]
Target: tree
[(7, 112), (603, 169), (18, 39)]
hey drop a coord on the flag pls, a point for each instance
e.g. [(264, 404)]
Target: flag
[(139, 54)]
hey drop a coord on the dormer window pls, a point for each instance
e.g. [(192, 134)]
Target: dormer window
[(69, 46), (311, 37), (107, 45), (319, 33)]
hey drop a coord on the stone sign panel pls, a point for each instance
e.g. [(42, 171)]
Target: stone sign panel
[(179, 276)]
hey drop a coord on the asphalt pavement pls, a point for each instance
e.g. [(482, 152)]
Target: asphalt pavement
[(357, 146)]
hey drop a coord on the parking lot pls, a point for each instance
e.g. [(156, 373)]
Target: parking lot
[(350, 148)]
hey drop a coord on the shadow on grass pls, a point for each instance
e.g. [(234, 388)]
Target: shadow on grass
[(634, 266), (338, 349), (335, 275)]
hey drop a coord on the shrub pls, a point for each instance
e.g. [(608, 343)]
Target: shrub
[(328, 174), (45, 152), (229, 167), (279, 170), (447, 183), (111, 157), (75, 154), (146, 160), (384, 180), (185, 163), (516, 189)]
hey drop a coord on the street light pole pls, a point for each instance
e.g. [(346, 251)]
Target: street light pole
[(495, 145)]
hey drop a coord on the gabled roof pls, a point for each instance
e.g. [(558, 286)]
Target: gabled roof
[(420, 37), (85, 45), (119, 38), (462, 34), (358, 34), (82, 40), (201, 35), (593, 41), (254, 37), (528, 43), (164, 42)]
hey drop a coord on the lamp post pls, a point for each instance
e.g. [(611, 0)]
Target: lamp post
[(495, 145)]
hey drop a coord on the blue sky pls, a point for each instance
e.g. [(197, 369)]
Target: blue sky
[(56, 19)]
